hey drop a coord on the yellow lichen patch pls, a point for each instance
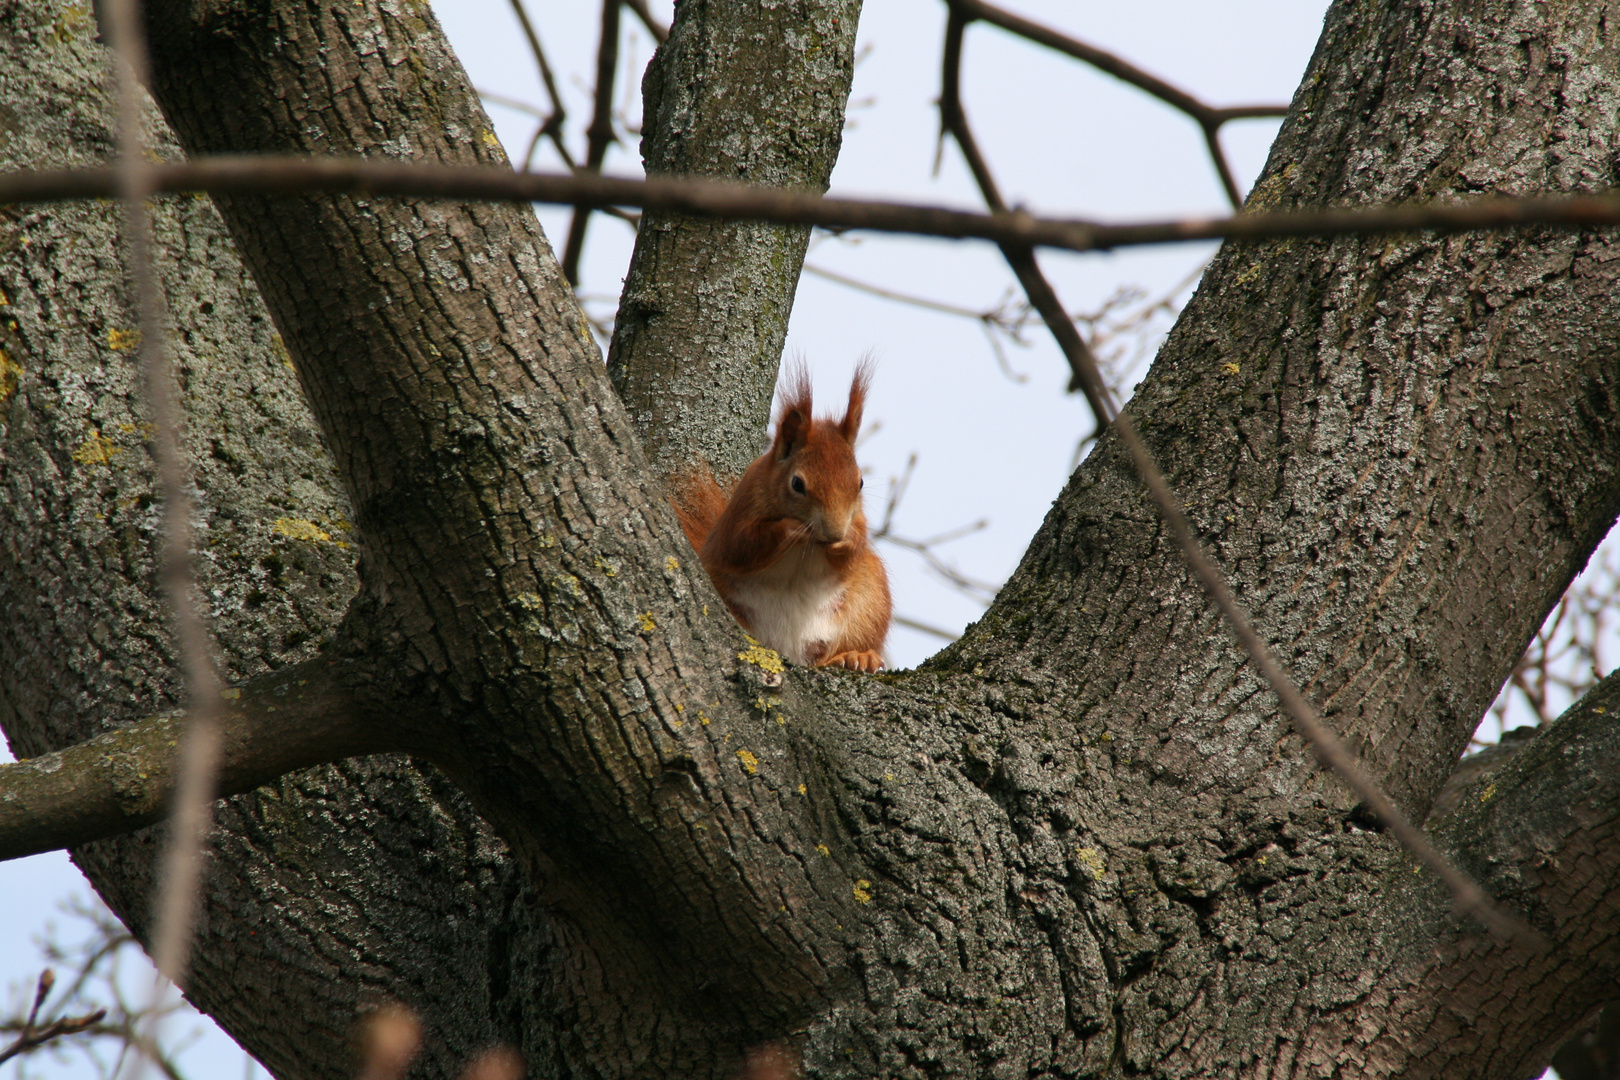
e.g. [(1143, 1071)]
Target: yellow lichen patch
[(679, 707), (1231, 368), (120, 340), (765, 703), (96, 449), (765, 659), (300, 529), (491, 140), (648, 624), (1091, 861), (863, 891), (749, 761), (145, 429), (822, 849), (606, 567), (803, 789), (704, 720), (673, 563), (1489, 793), (530, 601), (231, 694), (10, 375), (72, 22), (279, 347)]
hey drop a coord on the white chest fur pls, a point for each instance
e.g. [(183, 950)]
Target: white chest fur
[(793, 605)]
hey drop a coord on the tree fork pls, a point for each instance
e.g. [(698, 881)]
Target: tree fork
[(1080, 841)]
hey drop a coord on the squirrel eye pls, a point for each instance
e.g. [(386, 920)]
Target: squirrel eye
[(863, 483), (797, 484)]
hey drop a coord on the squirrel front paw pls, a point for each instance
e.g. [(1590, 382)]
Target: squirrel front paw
[(867, 660)]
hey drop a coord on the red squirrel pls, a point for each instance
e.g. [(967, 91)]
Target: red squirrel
[(787, 550)]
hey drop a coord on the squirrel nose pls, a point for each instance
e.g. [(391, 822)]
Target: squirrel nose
[(838, 531), (830, 530)]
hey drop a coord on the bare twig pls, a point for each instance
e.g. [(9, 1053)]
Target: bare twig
[(278, 175), (99, 976), (32, 1036), (986, 315), (599, 135), (1208, 117), (981, 591), (998, 322), (200, 747), (1020, 257), (925, 628), (551, 124), (657, 29)]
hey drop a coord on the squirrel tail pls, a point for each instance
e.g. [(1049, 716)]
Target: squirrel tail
[(698, 501)]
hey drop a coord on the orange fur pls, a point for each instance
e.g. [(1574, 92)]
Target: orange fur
[(788, 550)]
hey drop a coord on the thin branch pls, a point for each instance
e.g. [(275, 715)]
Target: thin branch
[(599, 135), (32, 1037), (1223, 168), (952, 117), (290, 175), (551, 124), (1207, 117), (1020, 257), (657, 29), (886, 293), (200, 747), (924, 628)]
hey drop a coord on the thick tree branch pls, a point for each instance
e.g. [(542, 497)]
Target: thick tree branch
[(1087, 377), (86, 639), (1069, 811), (1543, 834), (706, 303), (563, 639), (120, 781)]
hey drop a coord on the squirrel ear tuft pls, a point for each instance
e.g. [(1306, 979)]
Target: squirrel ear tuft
[(794, 421), (850, 425)]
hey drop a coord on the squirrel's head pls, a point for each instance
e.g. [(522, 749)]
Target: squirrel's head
[(814, 460)]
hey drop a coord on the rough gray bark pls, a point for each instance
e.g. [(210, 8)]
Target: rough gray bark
[(1080, 842), (705, 306), (86, 644)]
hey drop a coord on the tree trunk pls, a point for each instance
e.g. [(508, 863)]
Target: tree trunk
[(1079, 842)]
